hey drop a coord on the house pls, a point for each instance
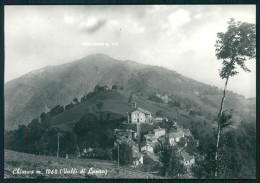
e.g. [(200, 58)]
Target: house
[(87, 153), (187, 159), (138, 158), (173, 137), (135, 148), (187, 132), (180, 133), (164, 97), (124, 132), (165, 119), (194, 143), (135, 135), (180, 127), (158, 119), (139, 115), (88, 150), (107, 87), (153, 156), (150, 138), (147, 147), (200, 157), (158, 132)]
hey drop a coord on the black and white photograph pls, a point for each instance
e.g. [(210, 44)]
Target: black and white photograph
[(130, 91)]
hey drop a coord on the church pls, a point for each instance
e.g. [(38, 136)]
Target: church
[(138, 115)]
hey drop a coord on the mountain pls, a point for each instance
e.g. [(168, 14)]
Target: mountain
[(39, 91)]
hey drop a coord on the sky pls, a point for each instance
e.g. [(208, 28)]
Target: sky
[(178, 37)]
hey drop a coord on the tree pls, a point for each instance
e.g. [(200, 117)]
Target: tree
[(155, 98), (99, 106), (157, 148), (114, 87), (192, 113), (108, 116), (174, 104), (76, 100), (83, 124), (205, 168), (56, 110), (69, 106), (159, 113), (182, 142), (234, 47), (125, 154), (130, 98), (43, 116), (229, 163), (171, 161), (82, 99), (99, 89)]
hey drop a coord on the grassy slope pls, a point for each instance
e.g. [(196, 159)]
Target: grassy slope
[(35, 162), (116, 103)]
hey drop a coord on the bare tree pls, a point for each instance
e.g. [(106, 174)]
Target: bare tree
[(234, 47)]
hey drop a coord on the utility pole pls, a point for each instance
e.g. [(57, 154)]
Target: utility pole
[(118, 156), (58, 145), (204, 108)]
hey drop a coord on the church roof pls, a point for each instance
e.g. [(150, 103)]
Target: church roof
[(141, 110)]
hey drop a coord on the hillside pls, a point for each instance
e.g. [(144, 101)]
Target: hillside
[(80, 128), (40, 90), (116, 103), (76, 129)]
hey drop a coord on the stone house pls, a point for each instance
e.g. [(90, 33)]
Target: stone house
[(187, 159), (158, 132), (137, 158), (147, 147), (139, 115)]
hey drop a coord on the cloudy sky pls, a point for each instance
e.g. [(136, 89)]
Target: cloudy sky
[(180, 38)]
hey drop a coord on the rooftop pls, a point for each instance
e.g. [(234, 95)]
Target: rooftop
[(161, 139), (158, 129), (186, 131), (173, 135), (186, 156), (137, 155), (180, 133), (141, 110), (152, 156), (149, 135)]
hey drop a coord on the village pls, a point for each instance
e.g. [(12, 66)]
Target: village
[(147, 145)]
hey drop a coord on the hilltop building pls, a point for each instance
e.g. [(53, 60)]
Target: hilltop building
[(138, 115)]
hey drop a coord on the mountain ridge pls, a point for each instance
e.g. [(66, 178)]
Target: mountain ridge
[(29, 95)]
